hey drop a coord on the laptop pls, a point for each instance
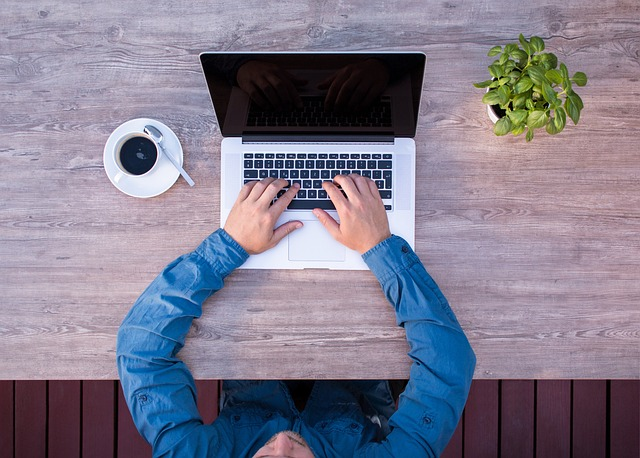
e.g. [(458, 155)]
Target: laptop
[(307, 117)]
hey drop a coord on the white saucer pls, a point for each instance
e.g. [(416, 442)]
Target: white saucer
[(160, 179)]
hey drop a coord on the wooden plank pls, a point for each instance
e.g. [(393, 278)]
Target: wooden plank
[(6, 416), (130, 442), (517, 418), (624, 423), (481, 420), (553, 418), (208, 398), (454, 448), (31, 418), (64, 419), (589, 431), (99, 399)]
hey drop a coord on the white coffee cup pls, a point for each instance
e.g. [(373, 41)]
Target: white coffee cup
[(136, 155)]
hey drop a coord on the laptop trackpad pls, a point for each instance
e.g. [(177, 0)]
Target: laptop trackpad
[(313, 243)]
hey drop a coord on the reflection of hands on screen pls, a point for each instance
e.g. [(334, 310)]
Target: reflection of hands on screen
[(269, 86), (355, 87)]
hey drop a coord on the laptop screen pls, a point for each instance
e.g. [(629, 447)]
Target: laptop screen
[(315, 93)]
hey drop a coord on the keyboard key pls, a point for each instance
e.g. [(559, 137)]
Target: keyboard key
[(384, 164), (251, 174), (385, 194), (302, 204)]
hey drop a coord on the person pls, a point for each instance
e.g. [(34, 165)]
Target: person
[(261, 418)]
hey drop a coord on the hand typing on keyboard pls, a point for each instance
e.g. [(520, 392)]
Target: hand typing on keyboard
[(363, 219), (253, 216)]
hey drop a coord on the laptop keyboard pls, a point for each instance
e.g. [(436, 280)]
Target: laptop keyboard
[(313, 114), (309, 170)]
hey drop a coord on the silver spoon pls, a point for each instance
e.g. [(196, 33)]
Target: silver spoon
[(154, 133)]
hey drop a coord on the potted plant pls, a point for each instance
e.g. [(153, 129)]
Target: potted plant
[(528, 90)]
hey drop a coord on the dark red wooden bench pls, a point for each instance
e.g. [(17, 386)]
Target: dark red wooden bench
[(508, 418)]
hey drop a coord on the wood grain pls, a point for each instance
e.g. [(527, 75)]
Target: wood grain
[(536, 245)]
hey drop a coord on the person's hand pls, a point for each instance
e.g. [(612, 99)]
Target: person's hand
[(270, 86), (363, 219), (252, 218), (355, 87)]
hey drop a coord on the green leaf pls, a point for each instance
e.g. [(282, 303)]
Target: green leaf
[(549, 60), (529, 104), (537, 44), (519, 55), (537, 119), (509, 66), (529, 134), (518, 116), (494, 51), (551, 129), (554, 76), (572, 107), (483, 84), (491, 98), (508, 49), (523, 85), (560, 118), (577, 100), (564, 71), (525, 44), (518, 130), (505, 95), (557, 122), (580, 79), (548, 93), (496, 70), (502, 127), (520, 100), (537, 75)]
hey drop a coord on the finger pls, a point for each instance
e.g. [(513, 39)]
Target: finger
[(326, 83), (256, 95), (282, 231), (259, 188), (362, 184), (283, 201), (271, 95), (335, 195), (246, 190), (330, 224), (334, 90), (374, 190), (283, 89), (292, 86), (347, 185), (272, 190)]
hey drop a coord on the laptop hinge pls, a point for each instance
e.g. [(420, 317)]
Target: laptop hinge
[(380, 139)]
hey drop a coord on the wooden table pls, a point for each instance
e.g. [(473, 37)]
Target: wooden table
[(536, 245)]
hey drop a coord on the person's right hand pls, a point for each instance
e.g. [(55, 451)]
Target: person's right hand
[(270, 86), (363, 219)]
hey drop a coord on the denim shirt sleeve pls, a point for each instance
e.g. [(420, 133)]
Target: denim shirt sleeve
[(153, 379), (442, 359)]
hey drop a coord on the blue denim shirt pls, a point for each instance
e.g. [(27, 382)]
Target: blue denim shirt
[(161, 394)]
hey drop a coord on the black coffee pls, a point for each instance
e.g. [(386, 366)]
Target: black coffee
[(138, 155)]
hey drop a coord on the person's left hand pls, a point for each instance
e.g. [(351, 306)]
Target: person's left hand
[(252, 218)]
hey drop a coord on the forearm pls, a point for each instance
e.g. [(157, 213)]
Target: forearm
[(155, 330), (442, 359)]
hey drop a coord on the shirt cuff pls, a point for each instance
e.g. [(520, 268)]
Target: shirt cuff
[(390, 257), (222, 252)]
